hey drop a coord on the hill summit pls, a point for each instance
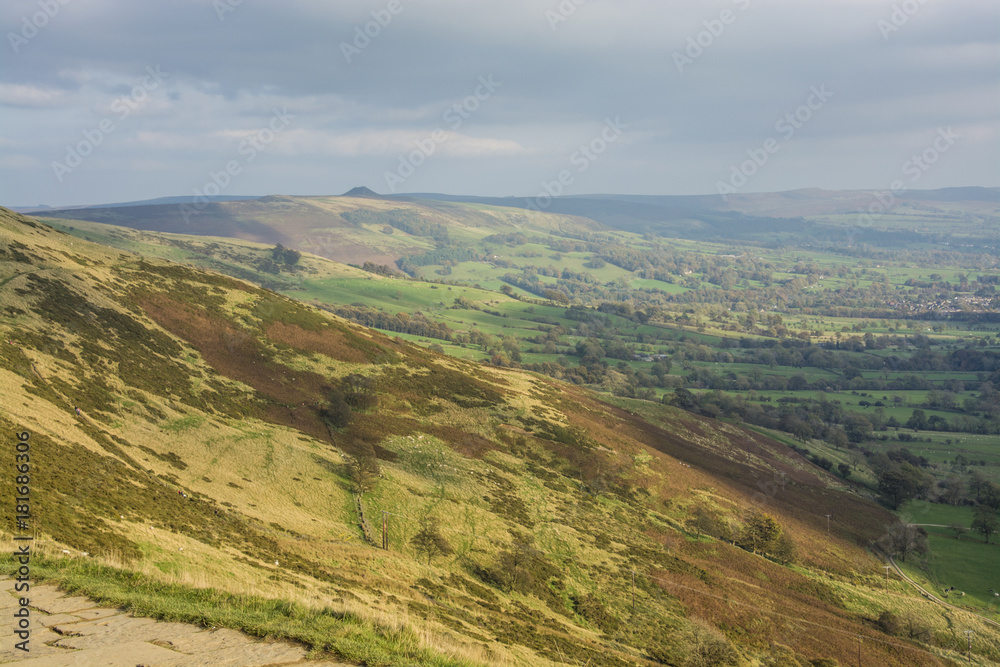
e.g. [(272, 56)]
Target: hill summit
[(361, 191)]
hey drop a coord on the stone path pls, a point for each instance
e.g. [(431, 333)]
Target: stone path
[(73, 631)]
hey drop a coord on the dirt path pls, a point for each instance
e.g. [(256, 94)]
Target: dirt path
[(73, 631)]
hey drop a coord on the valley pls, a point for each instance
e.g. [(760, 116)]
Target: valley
[(554, 408)]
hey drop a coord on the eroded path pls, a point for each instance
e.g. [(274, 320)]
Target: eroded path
[(74, 631)]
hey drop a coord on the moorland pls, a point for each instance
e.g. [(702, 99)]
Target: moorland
[(456, 430)]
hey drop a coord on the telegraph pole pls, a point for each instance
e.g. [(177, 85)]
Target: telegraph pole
[(828, 523), (385, 530), (859, 650), (968, 633), (887, 577)]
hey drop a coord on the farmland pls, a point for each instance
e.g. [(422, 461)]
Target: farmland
[(204, 450), (864, 351)]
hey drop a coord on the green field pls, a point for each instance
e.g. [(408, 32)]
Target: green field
[(966, 563), (895, 348)]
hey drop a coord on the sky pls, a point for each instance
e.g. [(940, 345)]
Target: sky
[(118, 100)]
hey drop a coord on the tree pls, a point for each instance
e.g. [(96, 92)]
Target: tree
[(336, 413), (958, 529), (903, 538), (901, 482), (837, 437), (359, 391), (283, 255), (857, 427), (845, 470), (707, 647), (989, 496), (889, 623), (760, 533), (985, 521), (683, 399), (429, 541), (917, 420), (976, 482), (364, 471), (703, 520), (513, 564), (784, 550), (954, 490)]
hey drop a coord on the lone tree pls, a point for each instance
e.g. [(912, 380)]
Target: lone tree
[(514, 564), (359, 391), (363, 470), (429, 540), (985, 521), (903, 538), (958, 529), (336, 412), (286, 256)]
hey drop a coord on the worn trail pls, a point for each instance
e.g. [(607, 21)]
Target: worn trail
[(71, 631)]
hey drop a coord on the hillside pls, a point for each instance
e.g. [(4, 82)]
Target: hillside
[(194, 437), (347, 229)]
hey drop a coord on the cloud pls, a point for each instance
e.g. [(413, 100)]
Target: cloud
[(561, 79), (16, 161), (21, 95), (388, 143)]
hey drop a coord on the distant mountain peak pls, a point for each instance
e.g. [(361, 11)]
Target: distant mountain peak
[(360, 191)]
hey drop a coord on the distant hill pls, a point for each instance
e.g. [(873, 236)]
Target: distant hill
[(347, 229), (204, 440), (803, 218), (955, 194), (361, 192), (184, 199), (630, 210)]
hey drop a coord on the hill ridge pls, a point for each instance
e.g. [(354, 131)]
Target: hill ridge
[(224, 428)]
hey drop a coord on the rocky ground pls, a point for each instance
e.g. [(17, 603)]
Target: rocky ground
[(70, 631)]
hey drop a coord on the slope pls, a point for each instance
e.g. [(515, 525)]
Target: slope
[(346, 229), (194, 437)]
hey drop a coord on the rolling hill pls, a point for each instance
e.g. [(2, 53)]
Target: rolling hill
[(208, 450), (332, 227), (347, 229)]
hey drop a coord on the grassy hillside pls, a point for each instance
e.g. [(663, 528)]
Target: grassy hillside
[(194, 437), (346, 229)]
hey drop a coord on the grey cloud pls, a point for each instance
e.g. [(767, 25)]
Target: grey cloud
[(609, 57)]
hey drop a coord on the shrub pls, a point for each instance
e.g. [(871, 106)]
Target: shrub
[(889, 623), (429, 541), (336, 413)]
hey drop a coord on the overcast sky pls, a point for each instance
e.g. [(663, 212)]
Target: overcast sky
[(116, 100)]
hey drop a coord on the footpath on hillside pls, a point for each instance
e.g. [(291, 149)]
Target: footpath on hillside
[(74, 631), (926, 593)]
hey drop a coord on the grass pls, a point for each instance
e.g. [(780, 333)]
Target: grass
[(342, 631), (967, 563), (603, 490)]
